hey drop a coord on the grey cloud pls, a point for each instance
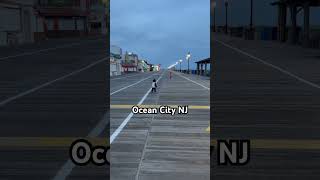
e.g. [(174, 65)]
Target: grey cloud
[(162, 30)]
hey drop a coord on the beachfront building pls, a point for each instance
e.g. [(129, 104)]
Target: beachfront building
[(143, 66), (156, 67), (130, 62), (62, 18), (97, 18), (115, 60), (148, 66), (27, 21), (17, 22), (115, 66), (67, 18)]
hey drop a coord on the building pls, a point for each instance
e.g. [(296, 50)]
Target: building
[(203, 67), (130, 62), (27, 21), (148, 66), (140, 66), (115, 60), (143, 66), (97, 18), (156, 67), (115, 66), (17, 22), (67, 18), (61, 18)]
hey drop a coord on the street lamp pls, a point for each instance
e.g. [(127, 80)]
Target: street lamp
[(188, 59), (214, 16), (226, 3), (180, 61)]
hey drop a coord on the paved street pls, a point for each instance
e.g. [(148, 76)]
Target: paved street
[(269, 93), (51, 94), (158, 146)]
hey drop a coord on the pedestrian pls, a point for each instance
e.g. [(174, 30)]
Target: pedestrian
[(154, 86)]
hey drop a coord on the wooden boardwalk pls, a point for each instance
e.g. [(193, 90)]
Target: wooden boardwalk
[(163, 146)]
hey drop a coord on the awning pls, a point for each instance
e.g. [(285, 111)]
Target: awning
[(207, 61)]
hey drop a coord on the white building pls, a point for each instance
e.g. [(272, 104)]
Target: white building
[(115, 60), (140, 66), (156, 67), (17, 22), (115, 67)]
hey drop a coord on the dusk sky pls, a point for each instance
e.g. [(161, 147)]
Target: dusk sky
[(162, 31)]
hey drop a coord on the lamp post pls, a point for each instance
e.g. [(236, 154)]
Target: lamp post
[(226, 4), (214, 16), (180, 61), (188, 59)]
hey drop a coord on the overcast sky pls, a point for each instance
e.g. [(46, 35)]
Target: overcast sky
[(162, 31)]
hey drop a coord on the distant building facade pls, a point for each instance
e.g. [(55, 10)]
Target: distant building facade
[(143, 66), (156, 67), (27, 21), (17, 22), (97, 18), (65, 18), (62, 18), (130, 62), (115, 60)]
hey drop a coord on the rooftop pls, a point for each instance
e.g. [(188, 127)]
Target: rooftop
[(204, 61)]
